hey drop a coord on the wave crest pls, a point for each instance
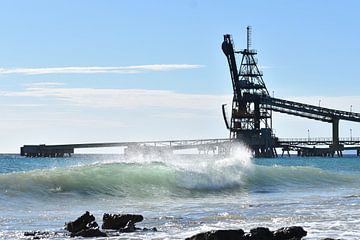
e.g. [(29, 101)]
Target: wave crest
[(176, 177)]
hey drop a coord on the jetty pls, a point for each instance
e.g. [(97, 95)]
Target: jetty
[(205, 146), (250, 121)]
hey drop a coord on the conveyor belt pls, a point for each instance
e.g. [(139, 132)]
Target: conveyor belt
[(307, 111)]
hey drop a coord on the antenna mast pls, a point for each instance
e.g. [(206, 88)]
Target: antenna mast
[(248, 37)]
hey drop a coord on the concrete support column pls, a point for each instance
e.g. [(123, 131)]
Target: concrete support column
[(257, 115), (335, 132)]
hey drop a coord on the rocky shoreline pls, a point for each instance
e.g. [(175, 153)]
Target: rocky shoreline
[(118, 224), (86, 226)]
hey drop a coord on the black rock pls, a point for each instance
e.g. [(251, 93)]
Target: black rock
[(130, 227), (260, 233), (286, 233), (92, 225), (27, 234), (37, 234), (219, 235), (84, 226), (91, 232), (118, 221), (80, 223), (154, 229)]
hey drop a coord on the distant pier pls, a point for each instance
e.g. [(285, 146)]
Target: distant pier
[(204, 146), (305, 147), (320, 147)]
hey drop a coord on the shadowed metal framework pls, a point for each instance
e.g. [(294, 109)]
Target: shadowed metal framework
[(252, 107), (249, 117)]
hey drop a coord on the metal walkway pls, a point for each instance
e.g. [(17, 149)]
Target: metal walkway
[(347, 141), (61, 150), (318, 146)]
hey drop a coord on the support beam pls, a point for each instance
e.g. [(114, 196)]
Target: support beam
[(43, 150), (335, 132)]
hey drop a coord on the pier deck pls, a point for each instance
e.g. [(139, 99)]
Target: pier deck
[(319, 146), (304, 146), (62, 150)]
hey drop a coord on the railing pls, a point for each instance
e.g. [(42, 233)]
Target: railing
[(183, 143), (317, 140), (350, 139)]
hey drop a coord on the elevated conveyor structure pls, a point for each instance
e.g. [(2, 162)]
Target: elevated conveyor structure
[(312, 112), (252, 107), (308, 111)]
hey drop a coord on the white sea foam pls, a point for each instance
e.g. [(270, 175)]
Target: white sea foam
[(184, 195)]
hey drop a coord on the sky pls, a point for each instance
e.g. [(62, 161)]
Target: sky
[(134, 70)]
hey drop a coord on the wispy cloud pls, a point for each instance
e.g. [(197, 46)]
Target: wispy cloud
[(22, 105), (265, 67), (92, 70), (137, 98), (123, 98), (44, 84)]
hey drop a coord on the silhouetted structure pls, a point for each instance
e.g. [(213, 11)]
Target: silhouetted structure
[(204, 146), (252, 108), (249, 117)]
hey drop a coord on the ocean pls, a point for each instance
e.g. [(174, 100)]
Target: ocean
[(182, 195)]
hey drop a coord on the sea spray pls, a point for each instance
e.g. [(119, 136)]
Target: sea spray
[(161, 176), (135, 176), (216, 173)]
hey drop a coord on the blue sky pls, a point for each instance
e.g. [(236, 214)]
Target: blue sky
[(94, 71)]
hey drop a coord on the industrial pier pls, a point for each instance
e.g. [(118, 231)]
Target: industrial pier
[(218, 146), (252, 107), (304, 147), (250, 122)]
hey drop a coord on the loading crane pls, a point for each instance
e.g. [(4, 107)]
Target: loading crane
[(250, 119), (252, 106)]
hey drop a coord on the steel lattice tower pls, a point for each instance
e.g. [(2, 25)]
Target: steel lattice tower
[(249, 119)]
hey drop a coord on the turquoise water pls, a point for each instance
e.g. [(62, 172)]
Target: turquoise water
[(182, 195)]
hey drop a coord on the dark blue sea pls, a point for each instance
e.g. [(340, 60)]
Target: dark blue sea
[(182, 195)]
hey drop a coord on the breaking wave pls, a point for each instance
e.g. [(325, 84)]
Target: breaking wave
[(175, 176)]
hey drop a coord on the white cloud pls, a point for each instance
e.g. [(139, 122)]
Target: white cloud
[(22, 105), (135, 98), (91, 70), (124, 98), (44, 84), (261, 67), (105, 115)]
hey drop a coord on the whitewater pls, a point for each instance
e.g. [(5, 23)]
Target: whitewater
[(182, 195)]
